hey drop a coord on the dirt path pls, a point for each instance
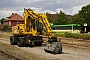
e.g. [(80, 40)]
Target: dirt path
[(69, 53)]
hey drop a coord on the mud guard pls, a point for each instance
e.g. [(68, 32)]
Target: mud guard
[(54, 47)]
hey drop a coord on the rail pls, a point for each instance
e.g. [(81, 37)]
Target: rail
[(9, 55)]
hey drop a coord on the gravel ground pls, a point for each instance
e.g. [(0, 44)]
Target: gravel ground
[(73, 49), (2, 57), (69, 53), (18, 52)]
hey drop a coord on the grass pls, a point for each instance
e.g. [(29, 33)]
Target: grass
[(74, 35), (5, 34), (13, 59), (18, 52), (65, 52)]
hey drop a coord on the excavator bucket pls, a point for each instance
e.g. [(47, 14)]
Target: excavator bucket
[(54, 47)]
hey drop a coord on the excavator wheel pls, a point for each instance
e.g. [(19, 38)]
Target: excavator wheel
[(38, 43), (20, 42), (12, 41), (54, 47)]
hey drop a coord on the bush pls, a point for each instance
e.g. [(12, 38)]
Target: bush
[(86, 36), (59, 34), (5, 28), (74, 35), (68, 34)]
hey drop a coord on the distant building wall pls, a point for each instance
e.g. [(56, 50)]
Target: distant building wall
[(6, 22)]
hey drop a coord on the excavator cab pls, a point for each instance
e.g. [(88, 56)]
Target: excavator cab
[(39, 26)]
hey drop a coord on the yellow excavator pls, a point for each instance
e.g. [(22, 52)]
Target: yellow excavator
[(31, 32)]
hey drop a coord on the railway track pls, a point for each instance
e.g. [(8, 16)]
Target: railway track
[(9, 56)]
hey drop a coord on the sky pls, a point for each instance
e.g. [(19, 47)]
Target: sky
[(69, 7)]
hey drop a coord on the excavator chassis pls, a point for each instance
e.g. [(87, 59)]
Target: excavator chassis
[(23, 41)]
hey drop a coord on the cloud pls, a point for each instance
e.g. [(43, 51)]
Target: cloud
[(58, 1), (37, 0), (58, 10), (50, 11), (67, 6), (76, 9), (6, 13)]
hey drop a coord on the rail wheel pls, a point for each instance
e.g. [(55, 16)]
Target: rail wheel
[(38, 43), (20, 42), (12, 40)]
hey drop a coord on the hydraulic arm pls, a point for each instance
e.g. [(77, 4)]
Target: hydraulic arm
[(40, 18)]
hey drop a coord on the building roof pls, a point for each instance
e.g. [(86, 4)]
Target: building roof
[(55, 15), (14, 17)]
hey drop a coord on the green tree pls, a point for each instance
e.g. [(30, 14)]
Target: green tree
[(77, 19), (5, 28), (49, 17), (85, 13), (61, 18), (1, 20)]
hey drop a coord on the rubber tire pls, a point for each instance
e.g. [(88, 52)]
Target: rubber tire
[(25, 45), (12, 40), (20, 42), (38, 43)]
